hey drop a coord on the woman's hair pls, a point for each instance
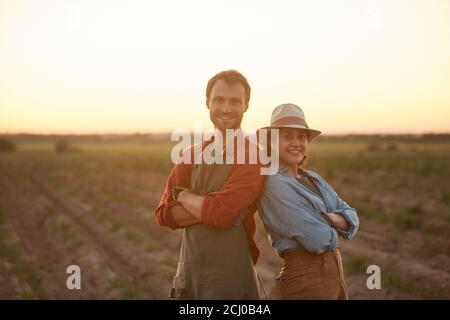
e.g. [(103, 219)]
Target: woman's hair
[(303, 162)]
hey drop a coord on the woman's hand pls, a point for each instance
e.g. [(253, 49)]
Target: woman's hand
[(338, 221)]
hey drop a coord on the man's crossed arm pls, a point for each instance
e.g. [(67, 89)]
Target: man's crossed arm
[(188, 210), (182, 217)]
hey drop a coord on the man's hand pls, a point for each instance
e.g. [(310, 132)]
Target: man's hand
[(182, 217), (338, 221), (192, 203)]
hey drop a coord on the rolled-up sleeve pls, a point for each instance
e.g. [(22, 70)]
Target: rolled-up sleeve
[(350, 215), (221, 208), (179, 176), (341, 208), (288, 214)]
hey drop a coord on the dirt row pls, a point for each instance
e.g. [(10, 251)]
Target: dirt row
[(112, 266), (101, 219)]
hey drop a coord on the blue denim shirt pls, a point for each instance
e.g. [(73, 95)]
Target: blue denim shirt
[(294, 216)]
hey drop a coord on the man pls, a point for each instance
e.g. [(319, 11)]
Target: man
[(209, 201)]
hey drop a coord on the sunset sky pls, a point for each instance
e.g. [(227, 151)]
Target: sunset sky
[(142, 66)]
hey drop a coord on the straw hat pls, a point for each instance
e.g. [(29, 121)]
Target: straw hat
[(289, 115)]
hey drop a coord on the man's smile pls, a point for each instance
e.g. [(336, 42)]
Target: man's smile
[(227, 117)]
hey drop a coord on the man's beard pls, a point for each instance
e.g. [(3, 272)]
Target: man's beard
[(235, 120)]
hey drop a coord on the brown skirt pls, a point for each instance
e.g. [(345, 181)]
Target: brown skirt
[(311, 276)]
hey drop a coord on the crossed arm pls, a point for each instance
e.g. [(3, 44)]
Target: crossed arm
[(219, 208), (338, 222), (189, 210), (183, 218)]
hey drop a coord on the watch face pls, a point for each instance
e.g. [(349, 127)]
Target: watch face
[(176, 191), (174, 194)]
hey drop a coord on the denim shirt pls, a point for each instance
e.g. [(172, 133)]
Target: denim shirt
[(294, 216)]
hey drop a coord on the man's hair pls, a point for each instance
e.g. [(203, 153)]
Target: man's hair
[(230, 77)]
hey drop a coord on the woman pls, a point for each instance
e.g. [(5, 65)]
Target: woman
[(304, 216)]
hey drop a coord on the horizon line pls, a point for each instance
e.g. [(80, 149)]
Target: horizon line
[(130, 133)]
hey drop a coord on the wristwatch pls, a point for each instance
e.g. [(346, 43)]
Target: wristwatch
[(176, 191)]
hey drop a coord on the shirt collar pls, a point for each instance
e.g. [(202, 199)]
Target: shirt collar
[(282, 170)]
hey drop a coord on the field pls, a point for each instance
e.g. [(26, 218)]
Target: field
[(93, 207)]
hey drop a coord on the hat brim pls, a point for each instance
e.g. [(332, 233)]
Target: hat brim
[(312, 133)]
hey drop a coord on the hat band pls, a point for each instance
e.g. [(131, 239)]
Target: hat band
[(289, 120)]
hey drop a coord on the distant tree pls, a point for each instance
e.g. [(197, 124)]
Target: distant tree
[(65, 146), (6, 145), (374, 146), (62, 146), (392, 147)]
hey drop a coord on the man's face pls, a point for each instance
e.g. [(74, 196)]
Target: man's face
[(227, 105)]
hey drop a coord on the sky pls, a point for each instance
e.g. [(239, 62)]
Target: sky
[(93, 66)]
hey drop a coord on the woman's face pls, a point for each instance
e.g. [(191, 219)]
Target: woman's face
[(292, 146)]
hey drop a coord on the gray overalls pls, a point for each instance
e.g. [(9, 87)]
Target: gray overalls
[(214, 263)]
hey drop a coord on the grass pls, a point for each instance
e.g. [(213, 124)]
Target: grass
[(355, 264), (368, 180), (100, 147), (411, 286), (129, 233), (168, 267), (66, 230), (368, 211), (432, 246), (133, 236), (11, 253), (54, 182), (445, 196), (50, 211), (103, 216), (127, 292), (409, 217), (115, 223), (412, 218), (116, 195)]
